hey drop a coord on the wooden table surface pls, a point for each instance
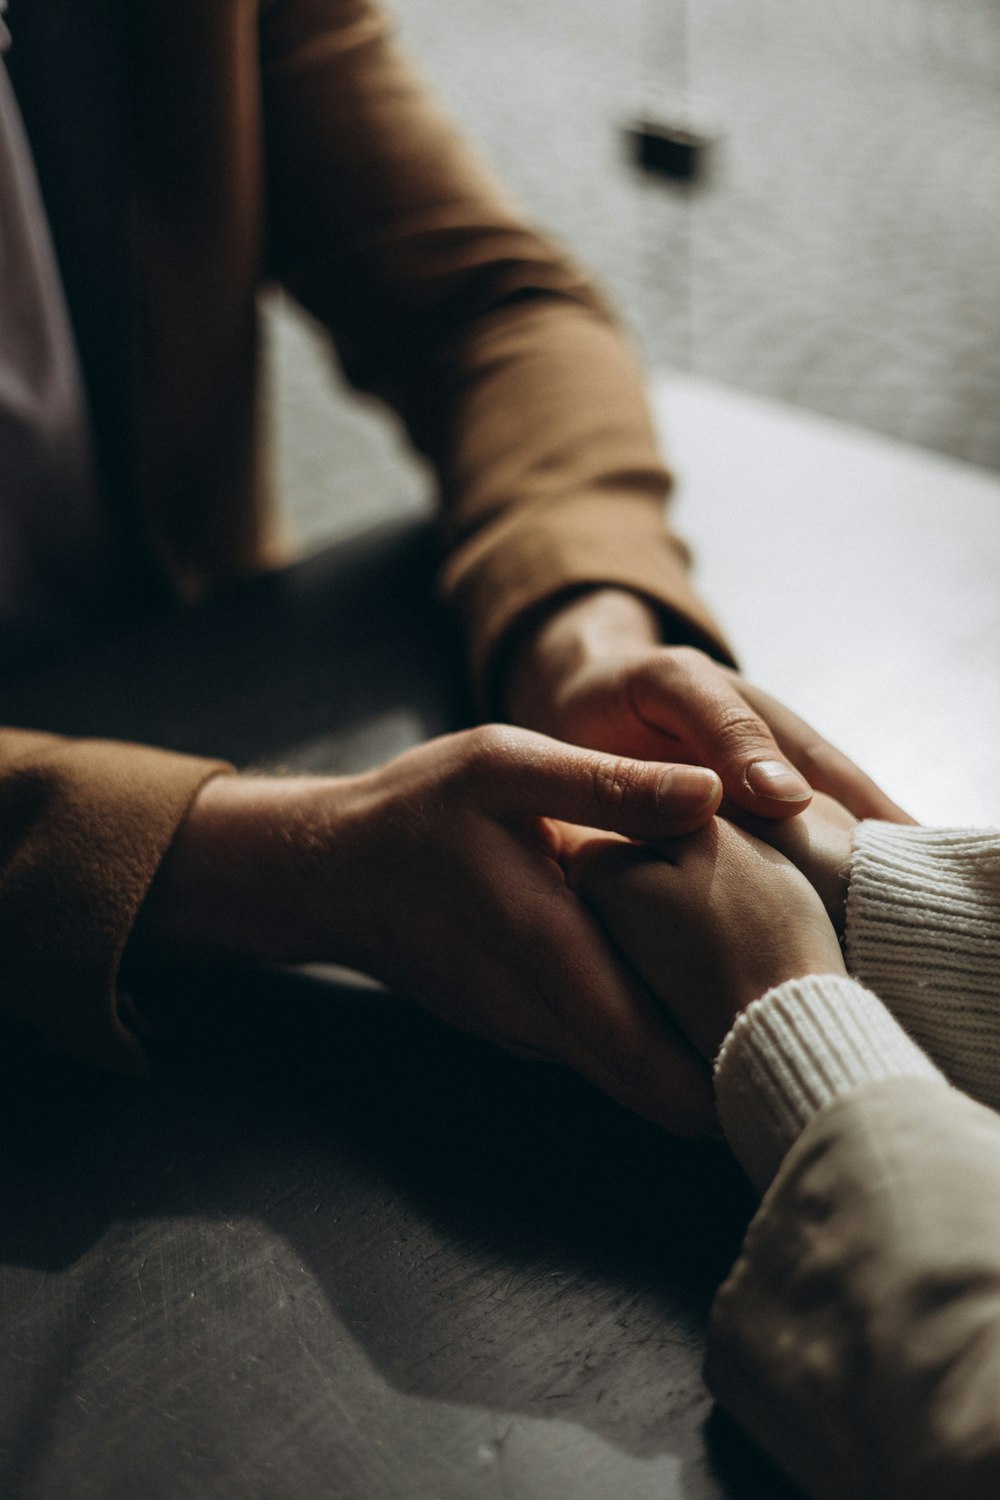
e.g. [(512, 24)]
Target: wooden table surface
[(336, 1250)]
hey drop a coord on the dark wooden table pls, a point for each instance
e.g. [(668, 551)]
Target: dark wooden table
[(334, 1249)]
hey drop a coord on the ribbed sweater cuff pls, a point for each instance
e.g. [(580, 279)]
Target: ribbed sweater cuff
[(796, 1049), (923, 930)]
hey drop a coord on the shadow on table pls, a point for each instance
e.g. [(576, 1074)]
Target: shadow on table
[(481, 1195)]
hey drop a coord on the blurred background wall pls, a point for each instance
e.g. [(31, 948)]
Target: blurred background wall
[(843, 254)]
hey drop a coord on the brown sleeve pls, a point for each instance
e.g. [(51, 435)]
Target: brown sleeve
[(858, 1337), (84, 825), (500, 355)]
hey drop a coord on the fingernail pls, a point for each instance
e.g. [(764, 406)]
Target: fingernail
[(772, 778), (689, 788)]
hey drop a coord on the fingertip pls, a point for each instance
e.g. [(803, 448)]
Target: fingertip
[(689, 795), (776, 789)]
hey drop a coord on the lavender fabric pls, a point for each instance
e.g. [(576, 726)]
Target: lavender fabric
[(53, 543)]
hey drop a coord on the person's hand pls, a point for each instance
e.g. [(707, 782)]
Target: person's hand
[(819, 843), (594, 673), (436, 875), (710, 922)]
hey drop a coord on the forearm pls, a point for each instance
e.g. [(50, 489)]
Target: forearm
[(857, 1338), (553, 483), (496, 348), (249, 875)]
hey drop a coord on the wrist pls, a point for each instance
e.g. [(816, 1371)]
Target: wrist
[(581, 632), (240, 878)]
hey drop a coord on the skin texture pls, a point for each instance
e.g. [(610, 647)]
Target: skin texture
[(596, 673), (437, 874), (710, 922), (819, 843)]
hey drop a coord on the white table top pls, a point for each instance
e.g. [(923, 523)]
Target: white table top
[(859, 580)]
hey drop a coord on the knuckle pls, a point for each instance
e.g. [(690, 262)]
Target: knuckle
[(488, 739), (669, 677), (492, 746), (612, 781), (691, 659), (737, 730), (682, 664), (813, 757)]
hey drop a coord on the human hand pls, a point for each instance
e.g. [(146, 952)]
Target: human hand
[(436, 874), (710, 922), (819, 843), (594, 673)]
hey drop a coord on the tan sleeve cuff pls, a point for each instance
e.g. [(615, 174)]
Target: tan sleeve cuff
[(86, 826)]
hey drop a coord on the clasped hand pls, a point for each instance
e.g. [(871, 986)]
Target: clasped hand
[(713, 921), (454, 874), (437, 874)]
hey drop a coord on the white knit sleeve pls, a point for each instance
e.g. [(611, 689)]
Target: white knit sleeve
[(799, 1047), (923, 930)]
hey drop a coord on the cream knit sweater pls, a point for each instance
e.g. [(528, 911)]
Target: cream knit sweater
[(923, 946)]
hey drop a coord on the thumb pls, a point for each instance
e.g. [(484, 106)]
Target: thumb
[(685, 694), (534, 776)]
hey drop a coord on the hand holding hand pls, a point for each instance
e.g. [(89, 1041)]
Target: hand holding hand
[(436, 874), (594, 673), (710, 922)]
